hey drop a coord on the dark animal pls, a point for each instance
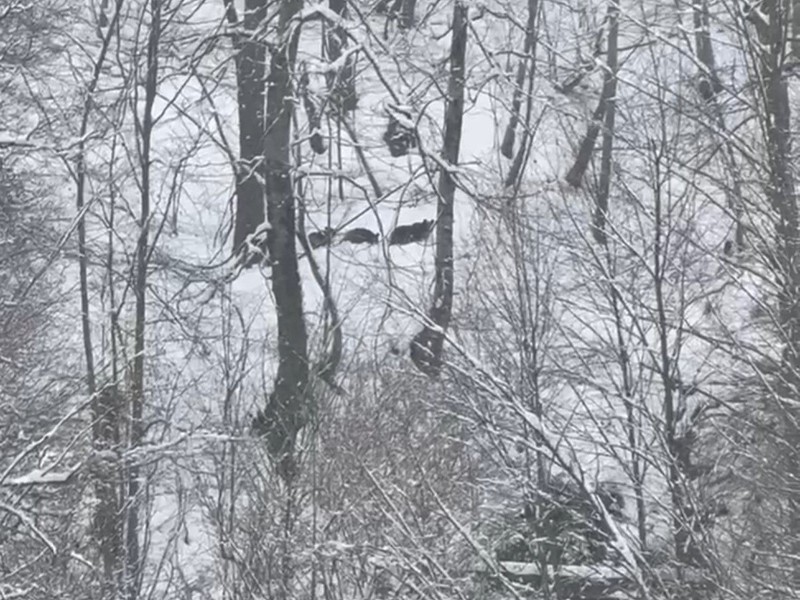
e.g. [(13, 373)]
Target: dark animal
[(407, 234), (398, 137), (321, 238), (728, 248), (317, 142), (359, 235)]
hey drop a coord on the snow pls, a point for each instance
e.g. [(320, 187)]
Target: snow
[(211, 350), (41, 477)]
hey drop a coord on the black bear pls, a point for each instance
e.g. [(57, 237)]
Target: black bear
[(399, 137), (407, 234), (359, 235), (728, 247), (321, 238)]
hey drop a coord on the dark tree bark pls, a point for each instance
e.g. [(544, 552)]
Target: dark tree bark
[(687, 551), (710, 87), (289, 407), (106, 418), (426, 347), (316, 141), (517, 166), (781, 192), (406, 17), (576, 173), (342, 82), (106, 413), (609, 93), (250, 60), (137, 397), (509, 137), (710, 84), (402, 10)]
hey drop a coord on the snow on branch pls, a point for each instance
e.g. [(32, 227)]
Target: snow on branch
[(38, 443), (42, 476), (29, 522)]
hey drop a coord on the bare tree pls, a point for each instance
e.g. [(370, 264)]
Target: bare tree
[(426, 348), (290, 405), (526, 70), (610, 95), (576, 173), (342, 81), (710, 85), (250, 60), (106, 404), (770, 55)]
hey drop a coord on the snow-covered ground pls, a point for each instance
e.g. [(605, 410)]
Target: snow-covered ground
[(211, 335)]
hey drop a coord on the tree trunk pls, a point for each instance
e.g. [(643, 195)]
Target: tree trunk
[(686, 549), (710, 84), (289, 406), (782, 195), (406, 17), (316, 141), (710, 87), (106, 417), (136, 433), (576, 173), (515, 172), (609, 93), (342, 82), (426, 348), (250, 63), (507, 145), (402, 10), (104, 409)]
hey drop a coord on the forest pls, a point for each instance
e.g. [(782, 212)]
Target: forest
[(399, 299)]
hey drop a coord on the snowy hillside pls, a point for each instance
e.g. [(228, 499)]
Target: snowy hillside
[(518, 318)]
